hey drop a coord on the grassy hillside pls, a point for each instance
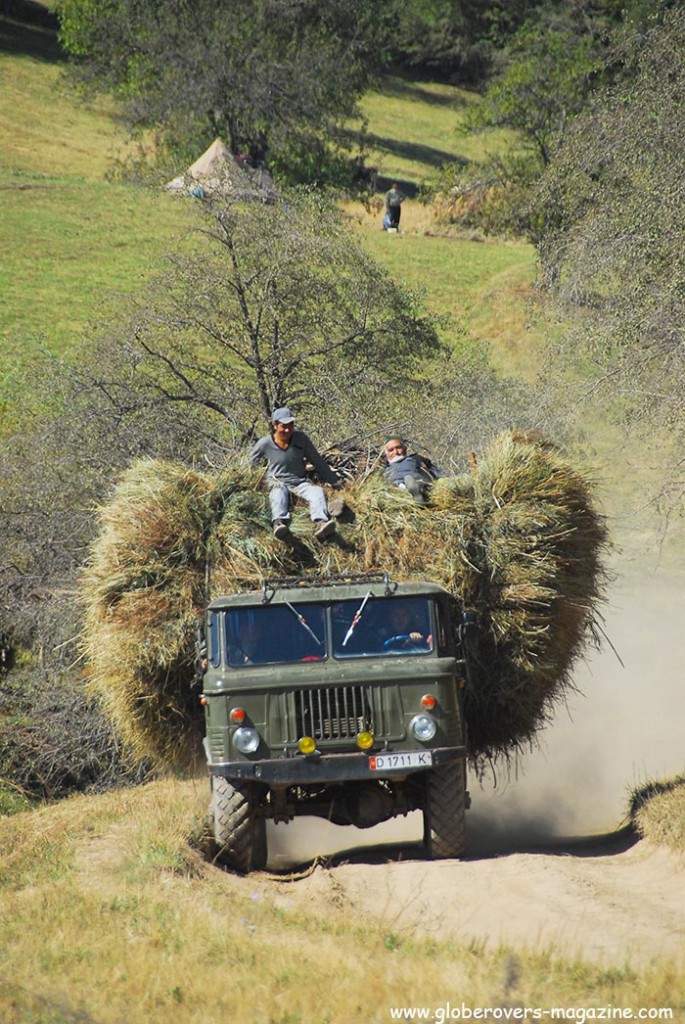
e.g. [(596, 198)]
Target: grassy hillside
[(484, 286), (108, 911), (136, 927), (414, 127), (69, 237)]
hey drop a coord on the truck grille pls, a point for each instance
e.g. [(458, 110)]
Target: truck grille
[(333, 714)]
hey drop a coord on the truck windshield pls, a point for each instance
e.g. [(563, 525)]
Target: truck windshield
[(277, 634), (382, 626)]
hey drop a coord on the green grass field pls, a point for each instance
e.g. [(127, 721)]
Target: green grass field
[(415, 127), (70, 237)]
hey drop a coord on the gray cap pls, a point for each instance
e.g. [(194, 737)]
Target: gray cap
[(283, 415)]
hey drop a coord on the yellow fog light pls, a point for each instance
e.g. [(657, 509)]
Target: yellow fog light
[(364, 740), (307, 745)]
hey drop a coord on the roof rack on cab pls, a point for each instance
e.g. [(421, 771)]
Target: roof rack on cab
[(270, 585)]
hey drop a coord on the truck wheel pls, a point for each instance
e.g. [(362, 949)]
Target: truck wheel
[(444, 821), (239, 833)]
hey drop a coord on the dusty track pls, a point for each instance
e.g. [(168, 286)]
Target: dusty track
[(609, 899), (526, 881)]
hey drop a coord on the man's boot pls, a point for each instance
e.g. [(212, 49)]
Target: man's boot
[(324, 528), (281, 528)]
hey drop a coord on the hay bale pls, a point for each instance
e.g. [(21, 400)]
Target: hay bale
[(538, 544), (171, 539), (143, 592), (518, 541)]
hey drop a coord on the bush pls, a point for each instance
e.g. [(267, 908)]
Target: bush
[(55, 741)]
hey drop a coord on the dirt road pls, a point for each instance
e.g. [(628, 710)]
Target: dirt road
[(610, 900), (524, 881)]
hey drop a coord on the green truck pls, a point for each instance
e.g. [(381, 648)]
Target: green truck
[(340, 698)]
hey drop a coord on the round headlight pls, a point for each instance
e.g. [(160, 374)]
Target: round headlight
[(424, 727), (246, 740), (306, 745)]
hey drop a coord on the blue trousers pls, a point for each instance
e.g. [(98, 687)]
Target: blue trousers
[(279, 499)]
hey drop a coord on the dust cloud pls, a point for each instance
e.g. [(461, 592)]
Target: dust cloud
[(622, 728)]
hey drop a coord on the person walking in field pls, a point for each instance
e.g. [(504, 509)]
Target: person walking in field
[(286, 452), (393, 207)]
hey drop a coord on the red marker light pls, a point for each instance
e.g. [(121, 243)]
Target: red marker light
[(237, 716), (428, 701)]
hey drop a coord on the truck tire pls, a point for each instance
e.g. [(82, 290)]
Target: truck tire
[(240, 834), (444, 813)]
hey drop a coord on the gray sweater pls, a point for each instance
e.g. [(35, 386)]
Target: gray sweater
[(287, 465), (411, 465)]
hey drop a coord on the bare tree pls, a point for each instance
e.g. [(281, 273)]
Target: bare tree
[(266, 305)]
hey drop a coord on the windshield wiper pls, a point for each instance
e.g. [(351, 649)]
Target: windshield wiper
[(355, 620), (303, 622)]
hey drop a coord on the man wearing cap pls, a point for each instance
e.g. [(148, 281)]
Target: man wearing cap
[(286, 452), (413, 472)]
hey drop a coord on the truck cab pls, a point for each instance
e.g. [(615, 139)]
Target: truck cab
[(340, 698)]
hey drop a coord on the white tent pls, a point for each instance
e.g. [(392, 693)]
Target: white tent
[(218, 173)]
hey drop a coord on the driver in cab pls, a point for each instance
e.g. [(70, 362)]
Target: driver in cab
[(402, 629)]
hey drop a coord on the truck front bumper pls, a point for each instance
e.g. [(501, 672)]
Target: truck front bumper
[(302, 769)]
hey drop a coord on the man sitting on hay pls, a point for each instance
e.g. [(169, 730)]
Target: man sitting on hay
[(286, 452)]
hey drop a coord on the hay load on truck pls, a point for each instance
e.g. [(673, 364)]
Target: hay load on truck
[(340, 698), (518, 543)]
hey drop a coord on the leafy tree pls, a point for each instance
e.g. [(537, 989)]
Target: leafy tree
[(271, 77), (547, 72), (553, 63), (456, 39), (613, 200), (545, 84), (267, 305), (439, 37)]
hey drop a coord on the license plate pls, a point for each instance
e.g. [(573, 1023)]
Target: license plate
[(396, 762)]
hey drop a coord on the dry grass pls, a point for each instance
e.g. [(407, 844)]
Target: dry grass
[(171, 539), (108, 914), (657, 811), (519, 541)]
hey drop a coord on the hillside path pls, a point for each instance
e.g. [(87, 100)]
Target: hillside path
[(611, 904)]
